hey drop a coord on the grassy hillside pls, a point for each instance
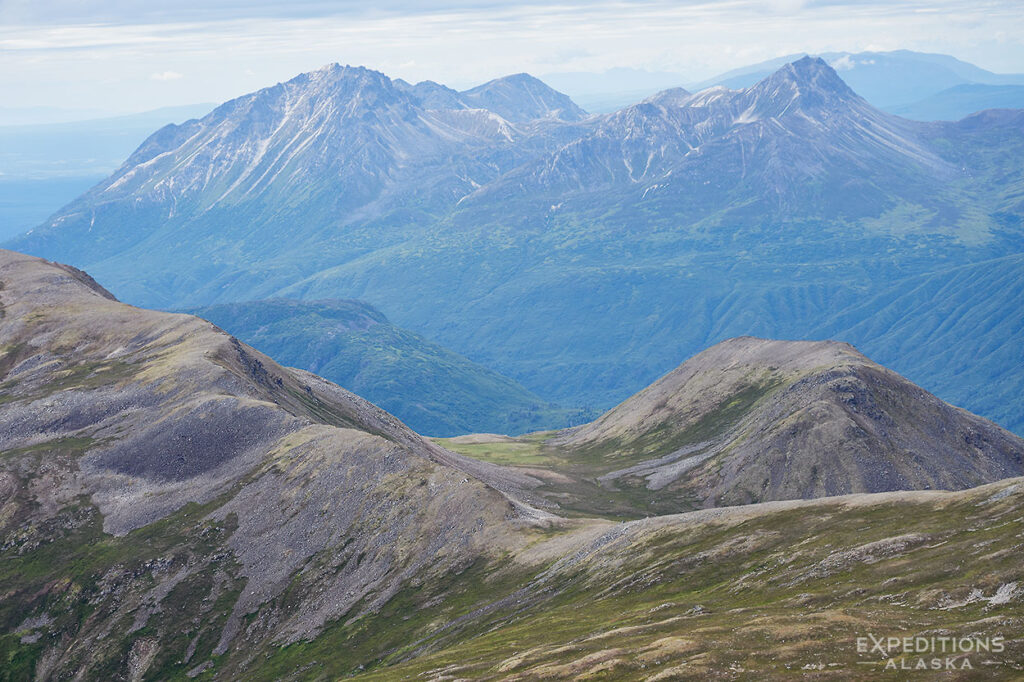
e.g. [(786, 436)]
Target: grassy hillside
[(768, 592)]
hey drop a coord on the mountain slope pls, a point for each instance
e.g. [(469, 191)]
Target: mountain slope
[(751, 420), (797, 143), (679, 222), (773, 591), (428, 387), (148, 456), (521, 98), (175, 505), (965, 331), (314, 149)]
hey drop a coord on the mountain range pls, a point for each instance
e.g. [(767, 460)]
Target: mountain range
[(581, 256), (177, 505)]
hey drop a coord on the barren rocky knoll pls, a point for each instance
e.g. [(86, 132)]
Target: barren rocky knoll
[(753, 420)]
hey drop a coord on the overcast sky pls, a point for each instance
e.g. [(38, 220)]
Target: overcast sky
[(132, 55)]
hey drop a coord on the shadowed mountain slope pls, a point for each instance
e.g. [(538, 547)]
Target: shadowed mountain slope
[(889, 80), (960, 101), (428, 387), (965, 322)]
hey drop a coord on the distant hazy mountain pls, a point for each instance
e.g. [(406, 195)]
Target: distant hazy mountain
[(44, 166), (333, 147), (430, 388), (41, 115), (612, 89), (522, 98), (771, 148), (583, 258), (518, 98), (959, 101), (886, 79)]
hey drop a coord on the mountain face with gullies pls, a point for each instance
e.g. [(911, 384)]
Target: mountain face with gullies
[(798, 142), (312, 150), (580, 256), (176, 505)]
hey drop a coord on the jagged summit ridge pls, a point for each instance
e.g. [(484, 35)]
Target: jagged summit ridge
[(800, 125)]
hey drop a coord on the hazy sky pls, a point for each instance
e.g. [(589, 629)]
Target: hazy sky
[(131, 55)]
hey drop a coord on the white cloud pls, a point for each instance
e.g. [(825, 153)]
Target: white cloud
[(462, 43), (166, 76), (847, 62), (844, 63)]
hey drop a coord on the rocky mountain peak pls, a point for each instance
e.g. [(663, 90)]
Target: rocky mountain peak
[(808, 85), (521, 97), (673, 97), (432, 95)]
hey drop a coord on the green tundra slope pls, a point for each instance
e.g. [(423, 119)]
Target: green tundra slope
[(966, 323), (432, 389), (766, 592)]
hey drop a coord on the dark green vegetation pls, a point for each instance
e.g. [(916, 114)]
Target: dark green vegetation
[(969, 325), (63, 576), (580, 258), (175, 505), (433, 390)]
